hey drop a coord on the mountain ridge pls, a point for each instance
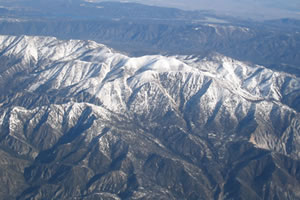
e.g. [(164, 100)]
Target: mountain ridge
[(89, 122)]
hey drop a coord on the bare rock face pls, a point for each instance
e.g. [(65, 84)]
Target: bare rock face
[(81, 121)]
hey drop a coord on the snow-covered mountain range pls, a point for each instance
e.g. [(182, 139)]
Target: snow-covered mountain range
[(81, 120)]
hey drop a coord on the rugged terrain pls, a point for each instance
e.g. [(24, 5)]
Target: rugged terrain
[(79, 120), (142, 30)]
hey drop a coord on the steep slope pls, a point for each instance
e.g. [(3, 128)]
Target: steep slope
[(142, 30), (275, 45), (81, 121)]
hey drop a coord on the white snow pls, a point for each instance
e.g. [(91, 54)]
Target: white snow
[(150, 86), (112, 77)]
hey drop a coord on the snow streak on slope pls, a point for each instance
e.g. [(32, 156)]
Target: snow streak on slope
[(156, 84), (63, 98)]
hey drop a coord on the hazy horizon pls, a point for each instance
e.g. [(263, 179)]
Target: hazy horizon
[(264, 9)]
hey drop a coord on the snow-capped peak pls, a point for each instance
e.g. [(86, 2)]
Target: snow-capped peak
[(78, 66)]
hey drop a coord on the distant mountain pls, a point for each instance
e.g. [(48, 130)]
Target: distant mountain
[(255, 9), (142, 30), (79, 120)]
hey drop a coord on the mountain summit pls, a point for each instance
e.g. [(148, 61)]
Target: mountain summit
[(82, 121)]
